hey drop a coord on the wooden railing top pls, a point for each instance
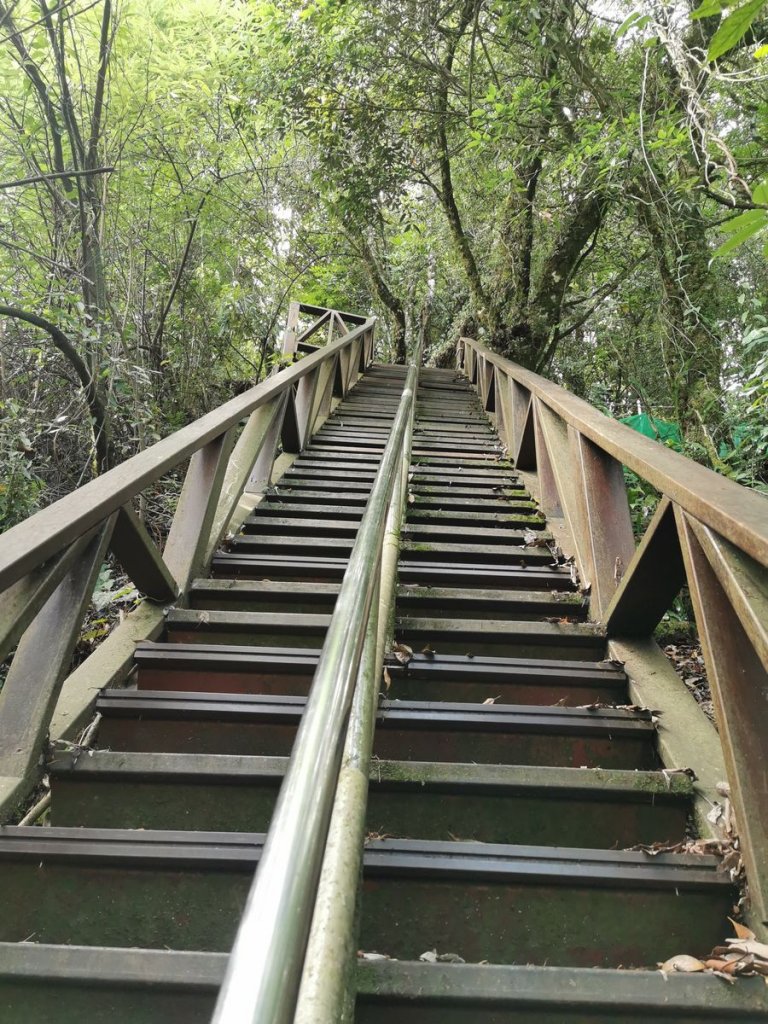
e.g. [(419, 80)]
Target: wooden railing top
[(736, 512), (350, 318), (40, 537)]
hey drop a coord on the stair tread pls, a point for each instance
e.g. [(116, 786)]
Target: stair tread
[(597, 782), (479, 861), (493, 665), (559, 989), (437, 713)]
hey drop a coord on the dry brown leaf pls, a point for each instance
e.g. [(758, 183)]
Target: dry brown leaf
[(402, 652), (429, 650), (682, 964), (742, 932), (492, 700), (387, 679), (717, 965)]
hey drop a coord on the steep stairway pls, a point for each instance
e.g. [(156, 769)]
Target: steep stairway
[(509, 777)]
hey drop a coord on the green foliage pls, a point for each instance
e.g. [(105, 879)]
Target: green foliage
[(746, 455), (733, 28), (107, 593), (20, 487), (563, 181)]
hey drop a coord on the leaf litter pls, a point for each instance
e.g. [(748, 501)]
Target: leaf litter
[(402, 652), (741, 955)]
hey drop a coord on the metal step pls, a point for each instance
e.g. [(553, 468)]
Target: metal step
[(280, 524), (454, 602), (255, 724), (510, 554), (504, 638), (517, 512), (171, 888), (222, 668), (434, 572), (277, 566), (433, 531), (426, 993), (303, 510), (263, 595), (476, 678), (186, 625), (549, 806)]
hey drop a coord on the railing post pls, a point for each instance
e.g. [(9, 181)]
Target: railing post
[(187, 544), (23, 600), (289, 344), (738, 677), (259, 436), (605, 519), (28, 698)]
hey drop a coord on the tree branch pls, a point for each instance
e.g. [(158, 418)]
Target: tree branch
[(96, 407), (35, 178), (157, 337)]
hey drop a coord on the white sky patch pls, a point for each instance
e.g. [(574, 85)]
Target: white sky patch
[(284, 217)]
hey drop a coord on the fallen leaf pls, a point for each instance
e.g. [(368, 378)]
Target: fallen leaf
[(748, 946), (668, 772), (491, 700), (402, 652), (682, 964), (430, 957), (534, 540), (387, 679), (428, 650), (742, 931)]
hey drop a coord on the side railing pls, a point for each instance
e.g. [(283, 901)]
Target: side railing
[(325, 787), (49, 563), (330, 322), (707, 532)]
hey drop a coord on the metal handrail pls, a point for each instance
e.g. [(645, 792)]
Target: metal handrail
[(326, 995), (264, 970)]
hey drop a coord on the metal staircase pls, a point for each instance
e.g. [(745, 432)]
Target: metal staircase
[(389, 689)]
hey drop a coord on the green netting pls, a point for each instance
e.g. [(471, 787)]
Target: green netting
[(659, 430)]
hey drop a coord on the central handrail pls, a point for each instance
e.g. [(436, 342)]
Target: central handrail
[(265, 965)]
